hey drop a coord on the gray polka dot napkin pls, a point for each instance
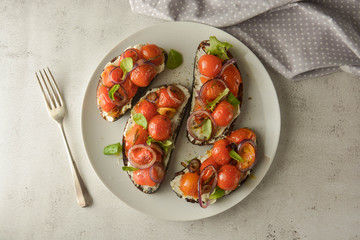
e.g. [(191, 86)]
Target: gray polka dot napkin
[(299, 39)]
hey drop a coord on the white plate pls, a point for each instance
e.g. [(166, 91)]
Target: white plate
[(260, 112)]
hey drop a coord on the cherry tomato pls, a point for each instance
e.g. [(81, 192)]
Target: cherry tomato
[(189, 184), (148, 109), (141, 156), (157, 172), (232, 78), (228, 177), (142, 177), (136, 135), (209, 65), (223, 113), (104, 100), (158, 152), (204, 79), (110, 75), (221, 151), (209, 161), (130, 88), (241, 134), (153, 52), (131, 52), (211, 90), (160, 127), (248, 154), (166, 101), (142, 75)]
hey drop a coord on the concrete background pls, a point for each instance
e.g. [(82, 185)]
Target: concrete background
[(311, 191)]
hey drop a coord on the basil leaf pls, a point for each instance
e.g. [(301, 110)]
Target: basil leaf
[(218, 48), (174, 60), (207, 128), (113, 91), (128, 168), (236, 156), (126, 65), (140, 120), (165, 145), (112, 149), (212, 104), (233, 100), (217, 193)]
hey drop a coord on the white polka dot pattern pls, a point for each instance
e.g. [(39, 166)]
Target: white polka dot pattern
[(299, 39)]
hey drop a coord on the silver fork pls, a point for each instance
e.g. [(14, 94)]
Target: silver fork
[(56, 108)]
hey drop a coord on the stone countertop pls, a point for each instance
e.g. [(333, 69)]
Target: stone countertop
[(311, 191)]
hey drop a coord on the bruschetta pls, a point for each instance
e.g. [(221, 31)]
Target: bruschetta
[(125, 78), (218, 172), (150, 135), (217, 93)]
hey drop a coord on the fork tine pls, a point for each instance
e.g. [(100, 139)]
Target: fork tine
[(49, 93), (42, 89), (58, 95), (54, 94)]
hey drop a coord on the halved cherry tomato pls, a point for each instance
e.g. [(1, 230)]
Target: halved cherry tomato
[(110, 75), (142, 75), (209, 65), (228, 177), (130, 88), (148, 109), (134, 53), (189, 184), (248, 154), (159, 127), (104, 100), (141, 156), (166, 101), (153, 53), (241, 134), (136, 135), (221, 151), (209, 161), (232, 78), (223, 113), (142, 177), (211, 90)]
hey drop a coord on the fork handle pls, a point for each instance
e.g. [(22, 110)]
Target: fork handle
[(82, 195)]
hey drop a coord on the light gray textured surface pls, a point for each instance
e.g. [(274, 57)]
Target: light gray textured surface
[(311, 191)]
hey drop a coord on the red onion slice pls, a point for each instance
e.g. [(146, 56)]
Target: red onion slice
[(157, 172), (156, 147), (120, 100), (207, 201), (227, 63), (191, 119), (142, 166), (240, 147), (212, 81), (194, 165), (171, 95)]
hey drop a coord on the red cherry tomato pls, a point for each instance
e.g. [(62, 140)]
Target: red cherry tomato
[(223, 113), (134, 53), (142, 75), (141, 156), (148, 109), (110, 75), (142, 177), (232, 78), (130, 88), (228, 177), (211, 90), (159, 127), (165, 99), (209, 65), (136, 135), (221, 151), (157, 172), (189, 184), (104, 100), (153, 53), (241, 134), (209, 161)]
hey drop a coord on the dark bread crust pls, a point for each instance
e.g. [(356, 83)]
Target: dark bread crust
[(202, 47), (117, 113), (170, 151)]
